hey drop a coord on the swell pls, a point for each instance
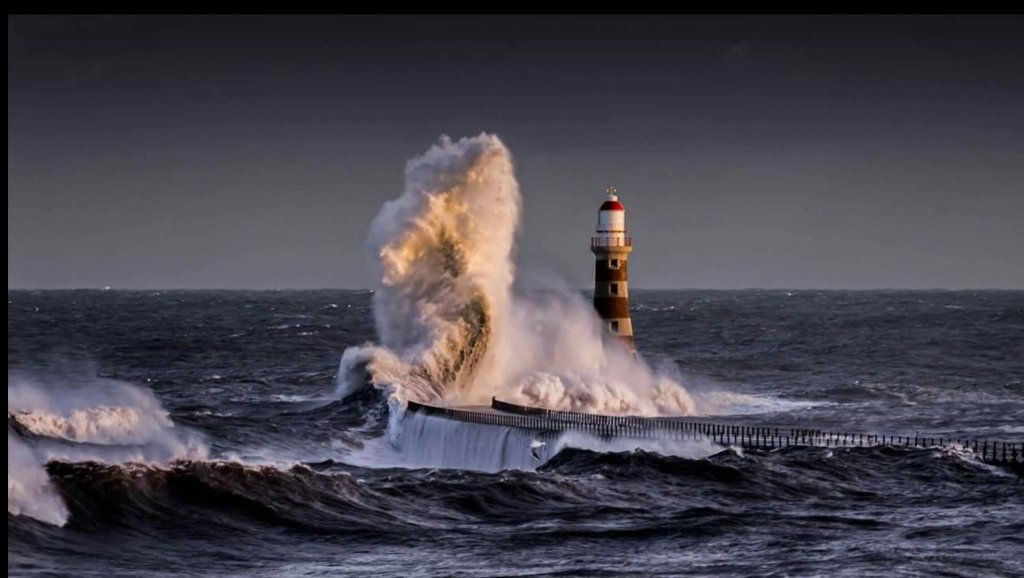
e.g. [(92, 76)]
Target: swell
[(225, 494), (642, 492)]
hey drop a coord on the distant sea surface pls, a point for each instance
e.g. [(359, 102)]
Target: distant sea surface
[(250, 377)]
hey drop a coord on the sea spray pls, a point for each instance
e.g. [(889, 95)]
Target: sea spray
[(451, 331), (101, 424), (105, 415), (101, 411), (566, 361)]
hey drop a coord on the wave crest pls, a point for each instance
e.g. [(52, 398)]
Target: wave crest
[(101, 425)]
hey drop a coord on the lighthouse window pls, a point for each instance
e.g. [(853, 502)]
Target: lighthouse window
[(613, 263), (614, 326), (614, 289)]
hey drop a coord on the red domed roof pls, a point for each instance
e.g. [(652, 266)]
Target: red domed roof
[(612, 206)]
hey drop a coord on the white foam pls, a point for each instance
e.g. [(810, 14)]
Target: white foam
[(693, 449), (718, 402)]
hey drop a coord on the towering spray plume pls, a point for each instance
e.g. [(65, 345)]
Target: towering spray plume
[(450, 328), (444, 251)]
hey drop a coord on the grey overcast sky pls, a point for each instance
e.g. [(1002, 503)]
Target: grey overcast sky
[(775, 152)]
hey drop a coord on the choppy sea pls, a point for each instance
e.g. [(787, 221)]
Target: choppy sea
[(185, 433)]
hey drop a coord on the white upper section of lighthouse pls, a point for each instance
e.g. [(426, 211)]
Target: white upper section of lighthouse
[(611, 222)]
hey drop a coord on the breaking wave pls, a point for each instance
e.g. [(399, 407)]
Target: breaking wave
[(96, 420)]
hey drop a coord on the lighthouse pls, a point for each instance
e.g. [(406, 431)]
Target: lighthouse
[(612, 247)]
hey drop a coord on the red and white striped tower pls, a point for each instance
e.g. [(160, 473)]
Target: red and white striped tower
[(612, 247)]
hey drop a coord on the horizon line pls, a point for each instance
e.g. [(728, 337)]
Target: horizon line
[(371, 289)]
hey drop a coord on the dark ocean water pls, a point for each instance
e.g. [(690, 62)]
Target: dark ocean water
[(252, 376)]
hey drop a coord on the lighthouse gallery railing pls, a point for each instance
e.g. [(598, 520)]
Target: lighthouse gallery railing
[(611, 242)]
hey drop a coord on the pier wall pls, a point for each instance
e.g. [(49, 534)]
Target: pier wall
[(744, 436)]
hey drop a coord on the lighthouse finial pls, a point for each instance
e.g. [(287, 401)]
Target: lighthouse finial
[(612, 192)]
